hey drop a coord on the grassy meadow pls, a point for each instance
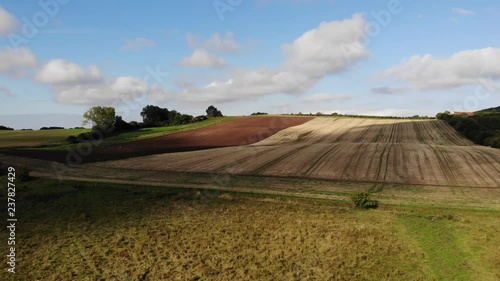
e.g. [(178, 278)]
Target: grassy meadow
[(55, 139), (102, 231), (36, 138)]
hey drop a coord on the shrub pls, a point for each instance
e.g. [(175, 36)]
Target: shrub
[(200, 118), (72, 139), (120, 125), (134, 125), (93, 135), (23, 174), (362, 200)]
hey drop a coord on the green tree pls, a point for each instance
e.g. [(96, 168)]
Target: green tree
[(153, 115), (212, 111), (100, 117)]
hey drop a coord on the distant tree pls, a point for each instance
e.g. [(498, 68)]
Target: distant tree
[(121, 125), (212, 111), (443, 115), (101, 117), (5, 128), (259, 113), (134, 125), (181, 119), (153, 115), (171, 117), (52, 128)]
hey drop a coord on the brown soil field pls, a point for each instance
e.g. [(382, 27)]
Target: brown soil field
[(425, 152), (237, 132)]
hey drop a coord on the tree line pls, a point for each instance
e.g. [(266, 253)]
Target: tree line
[(105, 122), (482, 128)]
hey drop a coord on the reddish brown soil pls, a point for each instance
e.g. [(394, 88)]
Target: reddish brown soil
[(240, 131)]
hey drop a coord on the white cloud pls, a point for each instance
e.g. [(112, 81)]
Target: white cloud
[(330, 48), (201, 58), (462, 68), (116, 91), (136, 44), (15, 61), (8, 22), (74, 84), (60, 72), (326, 97), (462, 11), (388, 90), (216, 42)]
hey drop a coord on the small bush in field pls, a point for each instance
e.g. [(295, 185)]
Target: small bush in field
[(362, 200), (23, 174), (72, 139)]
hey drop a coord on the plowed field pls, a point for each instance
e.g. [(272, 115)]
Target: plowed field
[(427, 152), (239, 131)]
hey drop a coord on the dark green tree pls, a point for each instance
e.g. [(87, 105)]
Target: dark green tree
[(153, 115), (212, 111), (101, 117)]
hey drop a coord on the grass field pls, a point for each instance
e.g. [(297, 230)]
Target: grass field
[(36, 138), (92, 231), (55, 139)]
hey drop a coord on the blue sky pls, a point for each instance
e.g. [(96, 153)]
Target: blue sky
[(278, 56)]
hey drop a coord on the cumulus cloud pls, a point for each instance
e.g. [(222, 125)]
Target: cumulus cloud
[(326, 97), (462, 68), (116, 91), (388, 90), (136, 44), (73, 84), (60, 72), (462, 11), (216, 42), (8, 22), (15, 61), (330, 48), (201, 58)]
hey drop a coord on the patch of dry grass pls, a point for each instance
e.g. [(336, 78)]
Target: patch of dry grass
[(90, 231)]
